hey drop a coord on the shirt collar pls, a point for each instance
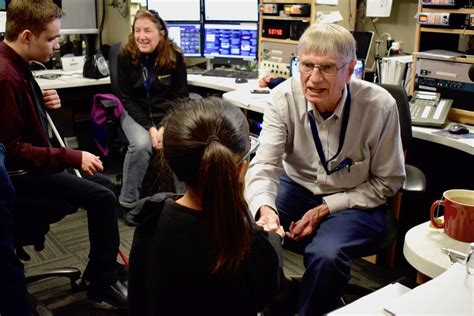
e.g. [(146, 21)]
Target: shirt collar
[(310, 107), (18, 62)]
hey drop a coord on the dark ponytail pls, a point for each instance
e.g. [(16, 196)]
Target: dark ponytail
[(203, 142), (222, 197)]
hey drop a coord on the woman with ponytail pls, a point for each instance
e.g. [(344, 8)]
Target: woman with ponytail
[(201, 253)]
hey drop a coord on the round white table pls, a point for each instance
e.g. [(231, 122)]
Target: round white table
[(422, 249)]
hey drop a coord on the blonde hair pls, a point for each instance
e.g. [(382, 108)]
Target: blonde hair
[(328, 39)]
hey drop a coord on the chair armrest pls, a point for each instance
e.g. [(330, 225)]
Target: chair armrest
[(415, 180), (14, 173)]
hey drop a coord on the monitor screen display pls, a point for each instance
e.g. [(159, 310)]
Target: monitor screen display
[(187, 37), (3, 20), (231, 40), (177, 10), (3, 5), (231, 10), (359, 70), (363, 44)]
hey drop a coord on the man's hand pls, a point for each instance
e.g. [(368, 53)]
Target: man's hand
[(156, 137), (51, 99), (270, 221), (308, 224), (91, 164)]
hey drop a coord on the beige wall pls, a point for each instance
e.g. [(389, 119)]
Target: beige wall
[(116, 27), (401, 23), (346, 8)]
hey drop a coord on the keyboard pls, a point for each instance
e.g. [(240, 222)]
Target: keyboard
[(195, 71), (231, 73)]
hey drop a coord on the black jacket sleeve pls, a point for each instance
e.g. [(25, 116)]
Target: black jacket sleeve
[(267, 256), (127, 74)]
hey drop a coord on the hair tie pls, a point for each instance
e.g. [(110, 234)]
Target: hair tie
[(212, 138)]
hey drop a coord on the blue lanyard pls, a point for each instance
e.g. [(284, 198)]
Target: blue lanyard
[(347, 162), (148, 78)]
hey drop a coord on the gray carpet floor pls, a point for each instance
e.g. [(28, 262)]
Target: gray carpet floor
[(67, 244)]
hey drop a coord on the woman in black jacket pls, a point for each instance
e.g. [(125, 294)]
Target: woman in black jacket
[(151, 75), (201, 253)]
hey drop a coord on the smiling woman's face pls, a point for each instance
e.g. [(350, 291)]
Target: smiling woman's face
[(147, 35)]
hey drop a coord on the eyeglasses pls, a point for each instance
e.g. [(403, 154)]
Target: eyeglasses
[(254, 144), (324, 69)]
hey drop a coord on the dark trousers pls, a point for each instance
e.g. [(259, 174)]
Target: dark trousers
[(340, 237), (93, 194), (12, 278)]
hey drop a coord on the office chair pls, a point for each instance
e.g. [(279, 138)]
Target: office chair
[(31, 222)]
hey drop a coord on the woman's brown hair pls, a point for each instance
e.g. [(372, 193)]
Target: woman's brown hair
[(166, 59), (202, 143)]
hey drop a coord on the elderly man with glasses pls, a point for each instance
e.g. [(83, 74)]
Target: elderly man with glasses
[(330, 155)]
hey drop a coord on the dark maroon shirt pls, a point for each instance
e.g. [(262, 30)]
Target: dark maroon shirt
[(21, 129)]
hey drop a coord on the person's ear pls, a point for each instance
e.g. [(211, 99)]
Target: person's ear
[(351, 66), (162, 32), (26, 36), (242, 170)]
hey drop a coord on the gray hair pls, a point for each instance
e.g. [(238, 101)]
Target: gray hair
[(328, 39)]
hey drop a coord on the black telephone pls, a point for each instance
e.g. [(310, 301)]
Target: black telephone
[(428, 109)]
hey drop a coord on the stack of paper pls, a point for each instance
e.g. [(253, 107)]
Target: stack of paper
[(450, 293), (396, 70)]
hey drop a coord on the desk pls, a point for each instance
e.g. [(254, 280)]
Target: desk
[(68, 79), (426, 133), (221, 84), (422, 249), (74, 79)]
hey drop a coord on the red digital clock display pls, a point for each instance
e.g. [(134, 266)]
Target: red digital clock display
[(275, 32)]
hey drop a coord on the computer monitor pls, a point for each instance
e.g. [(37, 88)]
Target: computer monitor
[(231, 10), (230, 43), (359, 69), (177, 10), (363, 44), (3, 5), (187, 36), (3, 20)]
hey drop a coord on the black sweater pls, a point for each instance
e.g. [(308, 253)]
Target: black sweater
[(148, 108), (170, 267)]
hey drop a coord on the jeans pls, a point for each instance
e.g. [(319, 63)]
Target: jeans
[(136, 160), (340, 237), (93, 194)]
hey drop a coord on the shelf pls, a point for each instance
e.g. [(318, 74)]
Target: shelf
[(445, 10), (285, 18), (78, 31), (446, 30), (277, 40), (287, 2)]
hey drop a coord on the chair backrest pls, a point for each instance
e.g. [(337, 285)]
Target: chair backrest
[(400, 95), (113, 61)]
